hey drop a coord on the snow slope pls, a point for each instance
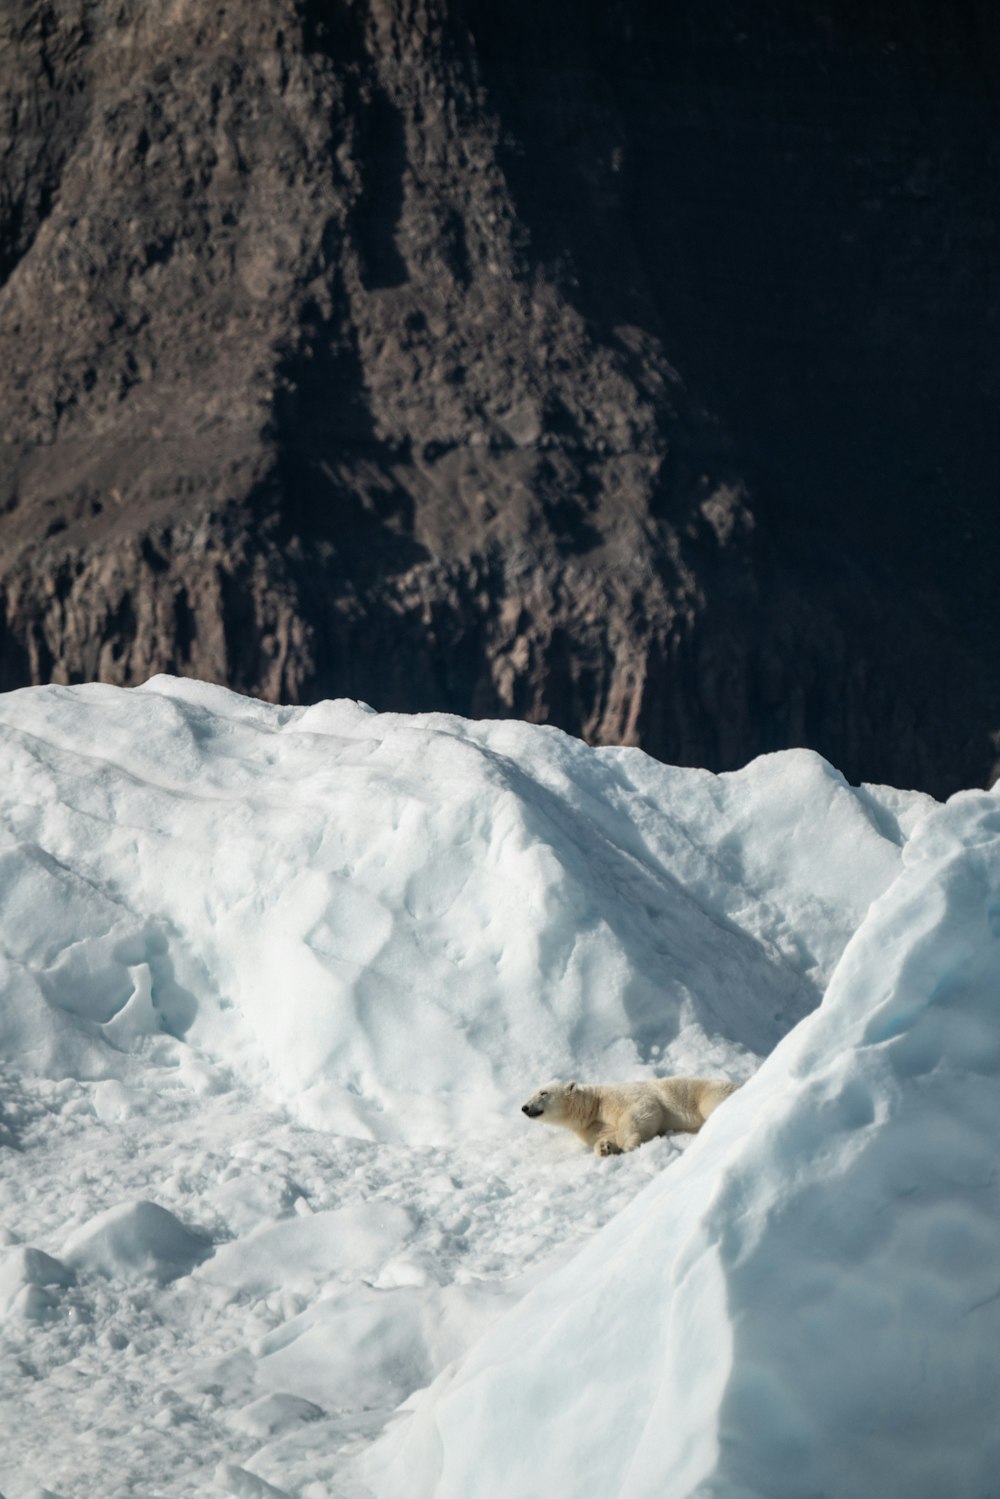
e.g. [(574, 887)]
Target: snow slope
[(809, 1302), (273, 984)]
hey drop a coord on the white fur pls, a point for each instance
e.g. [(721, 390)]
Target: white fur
[(615, 1117)]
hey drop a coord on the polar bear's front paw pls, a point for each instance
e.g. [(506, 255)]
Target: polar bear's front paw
[(607, 1147)]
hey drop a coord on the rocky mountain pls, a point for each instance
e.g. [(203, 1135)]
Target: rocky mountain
[(626, 366)]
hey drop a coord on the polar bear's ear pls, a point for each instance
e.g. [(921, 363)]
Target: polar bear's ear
[(570, 1087)]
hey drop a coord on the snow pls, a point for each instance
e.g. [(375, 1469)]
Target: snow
[(809, 1302), (135, 1241), (274, 983), (298, 1254)]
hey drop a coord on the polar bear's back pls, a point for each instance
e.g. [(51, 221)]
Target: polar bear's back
[(665, 1105), (693, 1098)]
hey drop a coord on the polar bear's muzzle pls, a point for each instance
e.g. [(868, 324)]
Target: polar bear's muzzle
[(532, 1110)]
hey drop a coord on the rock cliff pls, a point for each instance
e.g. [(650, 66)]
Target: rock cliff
[(622, 366)]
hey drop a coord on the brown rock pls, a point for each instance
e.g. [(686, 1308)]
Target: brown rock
[(334, 363)]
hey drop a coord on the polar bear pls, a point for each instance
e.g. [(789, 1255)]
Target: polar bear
[(615, 1117)]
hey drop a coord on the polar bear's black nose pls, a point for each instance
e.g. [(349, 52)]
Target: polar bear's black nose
[(525, 1110)]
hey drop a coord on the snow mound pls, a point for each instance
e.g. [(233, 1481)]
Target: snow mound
[(351, 1351), (302, 892), (30, 1282), (241, 1484), (809, 1301), (276, 1413), (135, 1241), (299, 1254)]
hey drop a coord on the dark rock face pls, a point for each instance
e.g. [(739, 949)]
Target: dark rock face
[(339, 349)]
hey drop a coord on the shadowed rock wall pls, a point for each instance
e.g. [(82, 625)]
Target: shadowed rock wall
[(391, 350)]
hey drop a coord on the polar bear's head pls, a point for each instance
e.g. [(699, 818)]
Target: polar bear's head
[(553, 1102)]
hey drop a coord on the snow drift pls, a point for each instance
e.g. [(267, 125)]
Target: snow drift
[(273, 983)]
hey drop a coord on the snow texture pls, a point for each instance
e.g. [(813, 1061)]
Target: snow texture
[(808, 1303), (273, 985)]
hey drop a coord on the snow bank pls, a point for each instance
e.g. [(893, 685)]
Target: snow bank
[(809, 1301), (393, 924)]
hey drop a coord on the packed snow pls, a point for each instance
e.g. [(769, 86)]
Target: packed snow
[(274, 983)]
